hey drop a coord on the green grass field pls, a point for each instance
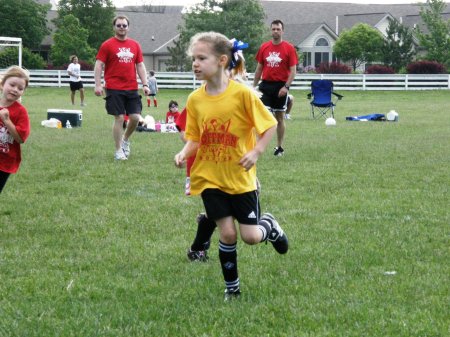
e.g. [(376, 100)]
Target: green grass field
[(94, 247)]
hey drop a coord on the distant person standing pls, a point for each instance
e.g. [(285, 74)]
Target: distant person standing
[(74, 71), (277, 61), (153, 85), (121, 57)]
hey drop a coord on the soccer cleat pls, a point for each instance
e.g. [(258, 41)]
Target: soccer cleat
[(125, 147), (276, 235), (231, 294), (279, 151), (119, 155), (198, 255)]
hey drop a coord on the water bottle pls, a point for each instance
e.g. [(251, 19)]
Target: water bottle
[(68, 125)]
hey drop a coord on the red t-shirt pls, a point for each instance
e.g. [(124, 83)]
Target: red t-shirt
[(276, 60), (171, 117), (10, 156), (181, 126), (120, 59)]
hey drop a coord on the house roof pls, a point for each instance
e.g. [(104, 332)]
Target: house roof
[(347, 21), (291, 12), (156, 30)]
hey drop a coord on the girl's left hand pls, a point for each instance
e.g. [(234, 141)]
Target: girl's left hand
[(248, 160)]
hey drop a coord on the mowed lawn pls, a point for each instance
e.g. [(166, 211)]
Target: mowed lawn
[(94, 247)]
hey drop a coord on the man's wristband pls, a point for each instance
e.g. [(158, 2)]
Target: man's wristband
[(286, 86), (145, 85)]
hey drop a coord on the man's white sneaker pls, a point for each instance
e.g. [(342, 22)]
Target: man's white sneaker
[(126, 147), (119, 155)]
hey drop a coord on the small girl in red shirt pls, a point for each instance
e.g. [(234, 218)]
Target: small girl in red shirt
[(14, 121), (173, 113)]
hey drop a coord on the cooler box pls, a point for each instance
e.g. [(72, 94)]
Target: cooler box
[(73, 116)]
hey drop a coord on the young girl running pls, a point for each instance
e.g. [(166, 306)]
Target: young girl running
[(14, 122), (223, 115)]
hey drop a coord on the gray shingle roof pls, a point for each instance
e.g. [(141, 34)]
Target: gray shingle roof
[(154, 31), (300, 19), (291, 12)]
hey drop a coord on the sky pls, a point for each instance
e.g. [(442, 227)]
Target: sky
[(121, 3)]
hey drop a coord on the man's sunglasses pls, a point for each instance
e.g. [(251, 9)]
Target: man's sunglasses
[(173, 106), (121, 26)]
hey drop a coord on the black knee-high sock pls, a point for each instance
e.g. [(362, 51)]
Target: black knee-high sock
[(228, 261), (205, 229), (265, 227)]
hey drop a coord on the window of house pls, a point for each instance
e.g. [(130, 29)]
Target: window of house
[(322, 52), (321, 57), (307, 59), (322, 42)]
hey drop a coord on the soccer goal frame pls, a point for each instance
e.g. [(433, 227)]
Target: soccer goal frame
[(6, 42)]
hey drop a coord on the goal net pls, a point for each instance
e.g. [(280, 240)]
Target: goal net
[(10, 52)]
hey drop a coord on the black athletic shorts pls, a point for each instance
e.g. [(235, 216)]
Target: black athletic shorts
[(119, 102), (270, 95), (74, 86), (243, 207)]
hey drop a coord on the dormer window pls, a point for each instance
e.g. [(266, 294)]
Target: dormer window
[(322, 42)]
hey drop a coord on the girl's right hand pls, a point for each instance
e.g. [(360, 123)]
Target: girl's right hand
[(4, 114)]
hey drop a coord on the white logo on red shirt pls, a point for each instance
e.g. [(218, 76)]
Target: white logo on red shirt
[(274, 59), (125, 55), (5, 139)]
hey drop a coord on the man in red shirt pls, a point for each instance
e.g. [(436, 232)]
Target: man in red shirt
[(121, 57), (277, 62)]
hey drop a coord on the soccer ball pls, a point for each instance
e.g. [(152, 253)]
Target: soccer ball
[(330, 122)]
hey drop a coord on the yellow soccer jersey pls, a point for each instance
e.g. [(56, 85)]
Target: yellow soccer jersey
[(225, 126)]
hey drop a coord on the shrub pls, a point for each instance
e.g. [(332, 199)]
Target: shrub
[(306, 70), (30, 60), (380, 69), (333, 68), (426, 67)]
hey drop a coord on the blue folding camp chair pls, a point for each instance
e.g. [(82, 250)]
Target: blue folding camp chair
[(321, 99)]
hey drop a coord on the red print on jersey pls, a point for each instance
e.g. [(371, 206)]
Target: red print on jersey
[(217, 141)]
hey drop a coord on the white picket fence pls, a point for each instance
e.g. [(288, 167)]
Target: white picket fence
[(186, 80)]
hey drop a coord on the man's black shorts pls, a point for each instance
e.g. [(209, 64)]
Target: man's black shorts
[(119, 102), (270, 95)]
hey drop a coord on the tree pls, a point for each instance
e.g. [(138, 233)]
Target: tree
[(240, 19), (437, 41), (71, 39), (26, 19), (398, 48), (359, 45), (178, 61), (94, 15)]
